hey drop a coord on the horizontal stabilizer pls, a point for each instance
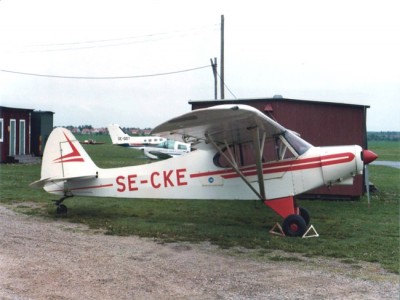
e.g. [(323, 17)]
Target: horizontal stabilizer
[(42, 182)]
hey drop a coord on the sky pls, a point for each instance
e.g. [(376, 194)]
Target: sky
[(95, 58)]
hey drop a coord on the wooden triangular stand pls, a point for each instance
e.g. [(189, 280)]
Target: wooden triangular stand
[(277, 230), (311, 232)]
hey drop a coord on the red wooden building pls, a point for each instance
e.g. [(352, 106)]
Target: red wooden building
[(319, 123), (15, 129)]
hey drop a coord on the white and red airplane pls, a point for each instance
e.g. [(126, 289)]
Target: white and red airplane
[(238, 154), (154, 147)]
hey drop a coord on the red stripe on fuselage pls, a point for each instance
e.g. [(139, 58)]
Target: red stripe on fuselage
[(284, 166)]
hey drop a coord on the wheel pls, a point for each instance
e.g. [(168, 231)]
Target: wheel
[(294, 226), (61, 209), (305, 215)]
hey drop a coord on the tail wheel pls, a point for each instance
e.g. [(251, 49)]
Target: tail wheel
[(61, 210), (294, 226)]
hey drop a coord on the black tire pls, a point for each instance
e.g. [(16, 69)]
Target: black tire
[(61, 210), (304, 213), (294, 226)]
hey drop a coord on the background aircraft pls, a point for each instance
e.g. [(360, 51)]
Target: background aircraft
[(239, 154), (154, 147)]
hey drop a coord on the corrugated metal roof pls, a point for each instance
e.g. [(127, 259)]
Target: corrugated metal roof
[(225, 101)]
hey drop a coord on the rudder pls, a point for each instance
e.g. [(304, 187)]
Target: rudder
[(117, 135), (64, 157)]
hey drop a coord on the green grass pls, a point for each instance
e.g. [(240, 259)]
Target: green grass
[(386, 150), (349, 230)]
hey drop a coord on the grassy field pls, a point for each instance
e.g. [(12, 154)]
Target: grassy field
[(349, 230), (386, 150)]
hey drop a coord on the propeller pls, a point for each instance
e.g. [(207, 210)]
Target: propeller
[(368, 156)]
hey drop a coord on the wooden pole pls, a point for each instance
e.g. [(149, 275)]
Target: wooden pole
[(214, 68), (222, 85)]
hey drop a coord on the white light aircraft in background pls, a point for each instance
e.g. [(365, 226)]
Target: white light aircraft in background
[(238, 154), (154, 147)]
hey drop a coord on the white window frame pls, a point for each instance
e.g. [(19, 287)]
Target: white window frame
[(1, 130)]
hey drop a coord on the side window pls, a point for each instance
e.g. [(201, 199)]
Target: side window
[(282, 150), (275, 149), (182, 147), (171, 144)]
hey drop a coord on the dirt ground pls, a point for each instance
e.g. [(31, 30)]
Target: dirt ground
[(57, 260)]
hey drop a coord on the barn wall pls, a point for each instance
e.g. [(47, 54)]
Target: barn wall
[(7, 114)]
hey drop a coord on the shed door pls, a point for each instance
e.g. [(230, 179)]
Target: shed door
[(13, 136), (22, 141)]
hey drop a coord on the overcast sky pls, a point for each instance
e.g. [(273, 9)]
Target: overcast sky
[(341, 51)]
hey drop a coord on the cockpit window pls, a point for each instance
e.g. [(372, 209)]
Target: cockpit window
[(298, 144), (287, 145)]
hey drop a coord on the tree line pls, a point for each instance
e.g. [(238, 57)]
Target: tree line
[(383, 136)]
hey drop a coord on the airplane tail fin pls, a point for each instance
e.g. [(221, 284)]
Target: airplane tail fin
[(64, 158), (117, 135)]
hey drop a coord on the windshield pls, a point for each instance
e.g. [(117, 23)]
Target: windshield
[(298, 144)]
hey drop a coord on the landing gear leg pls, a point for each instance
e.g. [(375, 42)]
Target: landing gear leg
[(61, 209)]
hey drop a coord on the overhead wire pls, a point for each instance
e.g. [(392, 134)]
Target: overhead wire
[(54, 47), (229, 90), (129, 40), (105, 77)]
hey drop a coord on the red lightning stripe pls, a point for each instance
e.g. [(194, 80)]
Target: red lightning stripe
[(74, 156)]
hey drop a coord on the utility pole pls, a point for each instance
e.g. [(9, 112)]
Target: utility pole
[(214, 68), (222, 85)]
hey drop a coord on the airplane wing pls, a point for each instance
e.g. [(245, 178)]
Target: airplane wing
[(227, 123), (157, 154)]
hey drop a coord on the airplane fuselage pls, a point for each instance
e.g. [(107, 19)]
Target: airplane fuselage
[(196, 177)]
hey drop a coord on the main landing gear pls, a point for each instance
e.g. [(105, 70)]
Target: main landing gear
[(295, 225), (61, 209), (295, 218)]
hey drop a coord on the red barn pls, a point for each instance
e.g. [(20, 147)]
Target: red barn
[(319, 123), (15, 129)]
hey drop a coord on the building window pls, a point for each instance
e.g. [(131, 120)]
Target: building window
[(1, 130)]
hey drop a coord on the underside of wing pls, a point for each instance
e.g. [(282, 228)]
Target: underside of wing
[(225, 123)]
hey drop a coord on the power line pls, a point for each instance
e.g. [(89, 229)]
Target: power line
[(90, 44), (150, 35), (227, 87), (106, 77)]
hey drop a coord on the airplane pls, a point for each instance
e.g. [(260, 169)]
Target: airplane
[(154, 147), (238, 154)]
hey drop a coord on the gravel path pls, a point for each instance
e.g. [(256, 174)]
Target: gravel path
[(58, 260)]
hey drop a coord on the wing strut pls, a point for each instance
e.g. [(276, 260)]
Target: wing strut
[(258, 156), (232, 162)]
